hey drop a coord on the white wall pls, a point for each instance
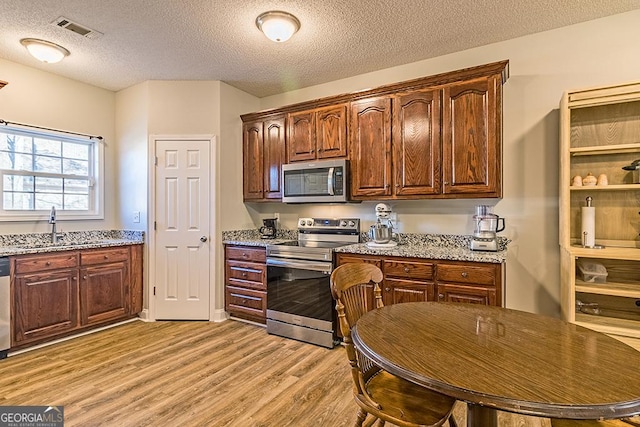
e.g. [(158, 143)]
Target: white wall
[(43, 99), (542, 67)]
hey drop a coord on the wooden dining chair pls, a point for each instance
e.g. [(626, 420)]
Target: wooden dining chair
[(624, 422), (378, 393)]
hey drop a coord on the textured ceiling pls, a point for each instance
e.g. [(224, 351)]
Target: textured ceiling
[(218, 39)]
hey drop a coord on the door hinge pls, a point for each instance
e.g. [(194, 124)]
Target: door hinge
[(154, 226), (155, 161), (154, 291)]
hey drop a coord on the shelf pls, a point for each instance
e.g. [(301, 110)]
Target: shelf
[(605, 149), (611, 288), (609, 252), (618, 187), (609, 325)]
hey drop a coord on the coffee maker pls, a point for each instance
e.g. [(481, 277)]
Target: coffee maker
[(268, 230), (486, 225)]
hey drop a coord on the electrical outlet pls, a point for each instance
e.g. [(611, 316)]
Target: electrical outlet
[(136, 216)]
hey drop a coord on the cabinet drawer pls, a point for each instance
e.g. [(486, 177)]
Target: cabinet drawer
[(246, 274), (246, 300), (49, 261), (408, 270), (102, 256), (348, 258), (244, 253), (476, 274)]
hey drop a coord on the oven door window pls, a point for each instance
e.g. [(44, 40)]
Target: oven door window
[(299, 292)]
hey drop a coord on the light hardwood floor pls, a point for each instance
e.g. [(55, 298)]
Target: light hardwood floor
[(191, 374)]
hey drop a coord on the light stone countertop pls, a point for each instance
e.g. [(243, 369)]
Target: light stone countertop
[(428, 246), (35, 243)]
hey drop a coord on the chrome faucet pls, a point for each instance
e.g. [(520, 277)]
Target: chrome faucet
[(52, 221)]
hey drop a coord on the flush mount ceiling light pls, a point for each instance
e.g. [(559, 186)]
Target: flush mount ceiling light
[(277, 25), (45, 51)]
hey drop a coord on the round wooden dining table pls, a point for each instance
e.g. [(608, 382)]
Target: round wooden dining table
[(495, 358)]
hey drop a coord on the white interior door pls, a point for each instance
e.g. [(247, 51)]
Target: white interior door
[(182, 230)]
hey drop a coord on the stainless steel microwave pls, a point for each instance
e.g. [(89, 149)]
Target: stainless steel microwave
[(315, 182)]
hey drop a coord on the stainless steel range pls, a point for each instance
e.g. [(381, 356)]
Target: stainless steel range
[(299, 302)]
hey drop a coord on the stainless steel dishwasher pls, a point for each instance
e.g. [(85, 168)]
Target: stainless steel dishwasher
[(5, 308)]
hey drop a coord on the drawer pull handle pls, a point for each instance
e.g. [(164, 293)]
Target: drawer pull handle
[(465, 274), (245, 298), (248, 270), (406, 269)]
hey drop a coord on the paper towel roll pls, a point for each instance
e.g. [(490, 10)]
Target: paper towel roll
[(588, 235)]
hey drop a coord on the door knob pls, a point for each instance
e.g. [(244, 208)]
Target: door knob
[(203, 239)]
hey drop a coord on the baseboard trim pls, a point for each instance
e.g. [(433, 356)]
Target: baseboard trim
[(219, 316)]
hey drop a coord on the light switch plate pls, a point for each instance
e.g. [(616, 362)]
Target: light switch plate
[(136, 216)]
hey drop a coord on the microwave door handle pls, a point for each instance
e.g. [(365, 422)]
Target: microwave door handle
[(330, 182)]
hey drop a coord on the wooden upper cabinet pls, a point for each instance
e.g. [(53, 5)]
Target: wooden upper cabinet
[(370, 139), (317, 134), (472, 139), (274, 157), (264, 152), (252, 155), (416, 143)]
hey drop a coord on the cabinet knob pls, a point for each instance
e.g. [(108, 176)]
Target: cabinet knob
[(47, 263), (84, 277), (310, 151), (406, 269), (440, 297), (446, 183), (244, 274), (244, 254), (74, 278), (106, 257), (465, 274), (387, 289)]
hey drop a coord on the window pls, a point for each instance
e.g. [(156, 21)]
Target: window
[(39, 170)]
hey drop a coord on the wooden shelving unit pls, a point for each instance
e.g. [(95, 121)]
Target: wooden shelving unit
[(599, 133)]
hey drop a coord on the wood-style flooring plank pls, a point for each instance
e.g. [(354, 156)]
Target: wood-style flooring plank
[(191, 374)]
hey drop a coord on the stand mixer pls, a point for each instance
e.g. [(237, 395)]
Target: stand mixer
[(381, 232), (486, 225)]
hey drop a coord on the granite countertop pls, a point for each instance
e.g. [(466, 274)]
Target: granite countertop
[(34, 243), (428, 246)]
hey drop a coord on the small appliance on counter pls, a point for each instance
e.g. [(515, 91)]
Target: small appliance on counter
[(486, 225), (381, 233), (268, 230)]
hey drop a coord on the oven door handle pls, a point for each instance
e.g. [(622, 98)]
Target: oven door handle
[(323, 267)]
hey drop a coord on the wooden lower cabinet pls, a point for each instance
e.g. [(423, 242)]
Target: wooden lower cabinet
[(417, 279), (57, 294), (246, 283)]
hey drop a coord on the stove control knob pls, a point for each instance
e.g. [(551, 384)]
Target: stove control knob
[(343, 223), (302, 223), (352, 223), (309, 223)]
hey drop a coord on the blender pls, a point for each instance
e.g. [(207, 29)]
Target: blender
[(486, 225)]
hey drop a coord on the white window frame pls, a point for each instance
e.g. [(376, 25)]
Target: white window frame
[(96, 174)]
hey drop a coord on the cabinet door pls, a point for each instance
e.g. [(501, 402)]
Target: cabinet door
[(302, 136), (45, 305), (398, 291), (466, 294), (472, 138), (416, 143), (252, 161), (370, 146), (331, 132), (104, 292), (274, 157)]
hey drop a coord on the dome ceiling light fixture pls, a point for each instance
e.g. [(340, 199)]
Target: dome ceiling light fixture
[(277, 25), (45, 51)]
